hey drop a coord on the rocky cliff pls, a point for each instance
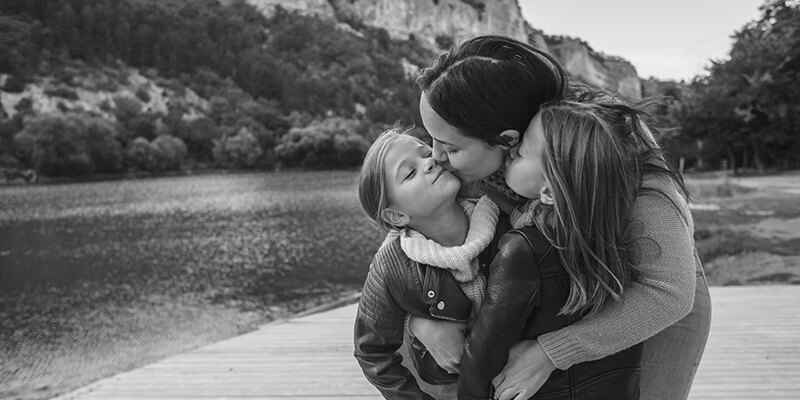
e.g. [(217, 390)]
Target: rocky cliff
[(457, 19)]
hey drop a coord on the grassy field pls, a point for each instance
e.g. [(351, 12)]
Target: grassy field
[(98, 278), (747, 230)]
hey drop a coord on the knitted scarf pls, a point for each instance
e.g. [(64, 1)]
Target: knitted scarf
[(461, 261)]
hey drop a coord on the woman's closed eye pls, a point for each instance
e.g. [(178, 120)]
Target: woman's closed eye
[(410, 174)]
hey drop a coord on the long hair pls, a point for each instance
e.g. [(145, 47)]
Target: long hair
[(490, 84), (371, 180), (595, 158)]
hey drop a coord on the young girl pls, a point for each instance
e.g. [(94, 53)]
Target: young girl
[(429, 266), (436, 238)]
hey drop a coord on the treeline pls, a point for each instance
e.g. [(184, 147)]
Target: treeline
[(746, 112), (289, 89)]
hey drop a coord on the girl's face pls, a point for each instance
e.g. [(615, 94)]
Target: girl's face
[(469, 158), (416, 185), (525, 163)]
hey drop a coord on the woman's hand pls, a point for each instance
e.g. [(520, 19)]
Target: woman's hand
[(443, 339), (527, 369)]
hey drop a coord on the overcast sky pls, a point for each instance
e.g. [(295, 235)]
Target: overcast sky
[(668, 39)]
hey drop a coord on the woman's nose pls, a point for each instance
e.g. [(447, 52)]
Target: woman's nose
[(438, 154)]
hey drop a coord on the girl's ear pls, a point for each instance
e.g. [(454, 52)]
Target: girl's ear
[(509, 138), (395, 217), (546, 194)]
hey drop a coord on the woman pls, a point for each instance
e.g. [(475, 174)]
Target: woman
[(476, 99)]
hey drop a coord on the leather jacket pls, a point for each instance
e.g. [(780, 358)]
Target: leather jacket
[(527, 286), (397, 286)]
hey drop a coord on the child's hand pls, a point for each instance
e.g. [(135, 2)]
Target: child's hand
[(443, 339), (527, 369)]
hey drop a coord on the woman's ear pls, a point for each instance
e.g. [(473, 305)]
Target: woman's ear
[(395, 217), (509, 138)]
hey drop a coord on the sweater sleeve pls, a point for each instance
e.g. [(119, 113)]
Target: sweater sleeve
[(663, 294)]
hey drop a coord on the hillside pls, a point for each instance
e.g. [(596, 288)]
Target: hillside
[(132, 86)]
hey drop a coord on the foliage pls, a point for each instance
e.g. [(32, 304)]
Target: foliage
[(172, 152), (330, 142), (60, 147), (241, 150), (105, 149), (142, 155), (747, 110)]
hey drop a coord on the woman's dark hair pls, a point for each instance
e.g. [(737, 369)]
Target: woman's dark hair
[(490, 84)]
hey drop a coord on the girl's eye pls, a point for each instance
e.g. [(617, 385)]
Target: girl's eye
[(452, 151), (411, 174)]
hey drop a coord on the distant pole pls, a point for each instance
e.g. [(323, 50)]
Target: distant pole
[(681, 164)]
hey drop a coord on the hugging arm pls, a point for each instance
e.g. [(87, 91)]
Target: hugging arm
[(662, 296), (512, 294), (378, 336)]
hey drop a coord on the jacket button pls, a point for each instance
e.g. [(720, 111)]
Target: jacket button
[(440, 305), (431, 293)]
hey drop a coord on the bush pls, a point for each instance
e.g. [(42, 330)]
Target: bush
[(126, 108), (23, 147), (241, 150), (14, 84), (59, 146), (105, 150), (172, 152), (143, 95), (62, 92), (142, 155), (328, 143)]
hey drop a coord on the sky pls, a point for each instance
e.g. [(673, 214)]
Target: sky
[(667, 39)]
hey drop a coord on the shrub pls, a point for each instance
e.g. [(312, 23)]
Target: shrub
[(241, 150), (62, 92), (199, 135), (23, 147), (105, 150), (142, 155), (172, 152), (59, 147), (143, 95), (14, 84), (24, 106), (328, 143), (126, 108), (9, 161)]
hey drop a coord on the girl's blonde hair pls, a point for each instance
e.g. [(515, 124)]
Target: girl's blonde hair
[(371, 180), (594, 158)]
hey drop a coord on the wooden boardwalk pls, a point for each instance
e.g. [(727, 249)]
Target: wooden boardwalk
[(753, 353)]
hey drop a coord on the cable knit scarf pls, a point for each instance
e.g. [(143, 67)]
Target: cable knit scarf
[(461, 261)]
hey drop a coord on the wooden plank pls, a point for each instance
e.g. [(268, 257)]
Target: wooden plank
[(753, 352)]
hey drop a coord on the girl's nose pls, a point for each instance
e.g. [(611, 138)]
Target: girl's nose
[(430, 165)]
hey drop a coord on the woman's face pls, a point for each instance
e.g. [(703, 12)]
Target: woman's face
[(416, 185), (525, 163), (469, 158)]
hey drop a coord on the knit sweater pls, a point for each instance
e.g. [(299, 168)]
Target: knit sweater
[(663, 294)]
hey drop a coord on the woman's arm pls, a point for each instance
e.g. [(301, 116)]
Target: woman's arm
[(378, 335), (662, 296)]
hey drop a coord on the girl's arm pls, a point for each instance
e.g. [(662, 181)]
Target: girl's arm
[(512, 295), (662, 296), (378, 335)]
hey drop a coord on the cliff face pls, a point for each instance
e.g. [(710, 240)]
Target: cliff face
[(427, 19), (604, 71), (459, 19)]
